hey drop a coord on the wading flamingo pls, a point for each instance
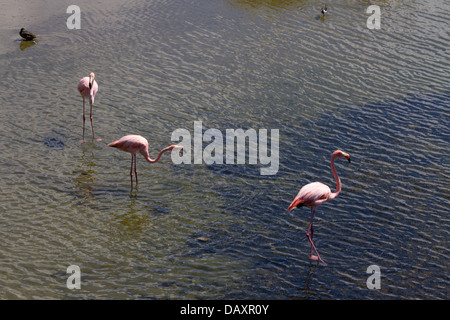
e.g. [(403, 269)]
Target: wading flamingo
[(88, 88), (314, 194), (134, 144)]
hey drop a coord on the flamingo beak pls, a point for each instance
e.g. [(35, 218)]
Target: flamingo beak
[(294, 204), (346, 156)]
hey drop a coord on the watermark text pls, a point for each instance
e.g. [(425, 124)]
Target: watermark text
[(230, 149), (374, 280)]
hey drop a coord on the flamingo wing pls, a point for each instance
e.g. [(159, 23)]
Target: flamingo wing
[(83, 85), (310, 195), (130, 143)]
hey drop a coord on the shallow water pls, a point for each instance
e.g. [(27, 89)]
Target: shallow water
[(197, 231)]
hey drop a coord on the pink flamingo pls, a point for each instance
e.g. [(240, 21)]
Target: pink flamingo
[(314, 194), (88, 88), (134, 144)]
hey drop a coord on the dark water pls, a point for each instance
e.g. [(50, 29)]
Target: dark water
[(197, 231)]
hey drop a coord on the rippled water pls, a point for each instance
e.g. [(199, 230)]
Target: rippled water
[(222, 231)]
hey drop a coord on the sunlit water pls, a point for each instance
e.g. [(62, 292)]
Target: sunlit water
[(197, 231)]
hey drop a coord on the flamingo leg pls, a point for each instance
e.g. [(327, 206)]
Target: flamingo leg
[(84, 119), (135, 169), (133, 165), (92, 124), (309, 234), (131, 169), (311, 230)]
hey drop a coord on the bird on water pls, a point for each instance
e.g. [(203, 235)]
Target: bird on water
[(88, 88), (134, 144), (313, 195), (27, 35), (324, 10)]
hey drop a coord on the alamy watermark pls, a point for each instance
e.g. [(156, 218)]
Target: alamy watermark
[(74, 20), (374, 280), (229, 148), (74, 280), (374, 21)]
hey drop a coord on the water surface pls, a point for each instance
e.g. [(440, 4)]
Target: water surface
[(222, 231)]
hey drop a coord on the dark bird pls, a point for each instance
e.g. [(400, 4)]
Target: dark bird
[(27, 35), (324, 10)]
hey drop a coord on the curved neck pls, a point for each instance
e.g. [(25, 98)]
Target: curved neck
[(147, 156), (338, 181)]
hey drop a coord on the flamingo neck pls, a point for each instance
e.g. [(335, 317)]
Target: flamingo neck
[(147, 156), (338, 181), (91, 92)]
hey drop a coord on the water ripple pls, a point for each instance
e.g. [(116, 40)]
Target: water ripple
[(223, 231)]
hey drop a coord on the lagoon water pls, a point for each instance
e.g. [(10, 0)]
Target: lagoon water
[(198, 231)]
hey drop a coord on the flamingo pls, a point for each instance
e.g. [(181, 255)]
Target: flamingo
[(88, 88), (314, 194), (134, 144)]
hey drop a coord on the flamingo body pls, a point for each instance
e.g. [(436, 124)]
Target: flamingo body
[(134, 144), (88, 87), (311, 195), (316, 193), (85, 91)]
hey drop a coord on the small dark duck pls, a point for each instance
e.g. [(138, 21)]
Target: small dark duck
[(27, 35), (324, 10)]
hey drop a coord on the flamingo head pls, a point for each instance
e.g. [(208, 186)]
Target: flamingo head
[(341, 154), (296, 203), (91, 79)]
